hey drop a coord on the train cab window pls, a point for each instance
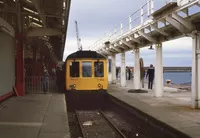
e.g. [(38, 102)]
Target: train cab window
[(98, 69), (74, 69), (86, 69)]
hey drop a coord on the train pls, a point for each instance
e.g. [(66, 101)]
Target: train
[(86, 76), (86, 71)]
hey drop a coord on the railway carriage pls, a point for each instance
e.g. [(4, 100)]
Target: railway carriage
[(86, 79), (86, 71)]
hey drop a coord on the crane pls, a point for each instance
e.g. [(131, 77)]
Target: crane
[(77, 36)]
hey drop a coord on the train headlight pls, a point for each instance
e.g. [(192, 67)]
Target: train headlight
[(73, 86), (99, 85)]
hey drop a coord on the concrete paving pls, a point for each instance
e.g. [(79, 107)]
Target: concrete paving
[(34, 116), (173, 108)]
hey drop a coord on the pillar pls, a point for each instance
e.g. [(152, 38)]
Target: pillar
[(196, 71), (20, 81), (158, 72), (137, 68), (123, 70), (113, 69)]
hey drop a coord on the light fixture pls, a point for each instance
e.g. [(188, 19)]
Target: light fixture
[(64, 5), (29, 10), (35, 19), (37, 24), (107, 43), (151, 48)]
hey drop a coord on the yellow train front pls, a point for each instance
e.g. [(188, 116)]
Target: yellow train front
[(86, 78), (85, 71)]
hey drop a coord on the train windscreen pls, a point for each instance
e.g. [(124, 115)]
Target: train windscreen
[(86, 69), (99, 69), (74, 69)]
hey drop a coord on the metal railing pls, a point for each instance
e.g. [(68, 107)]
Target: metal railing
[(135, 20), (38, 84)]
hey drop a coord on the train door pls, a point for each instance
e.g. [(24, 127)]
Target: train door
[(87, 75)]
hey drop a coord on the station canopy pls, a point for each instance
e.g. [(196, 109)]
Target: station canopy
[(43, 23)]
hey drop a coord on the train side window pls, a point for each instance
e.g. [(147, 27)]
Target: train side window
[(99, 69), (86, 69), (74, 69)]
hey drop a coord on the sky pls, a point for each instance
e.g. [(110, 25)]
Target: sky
[(96, 17)]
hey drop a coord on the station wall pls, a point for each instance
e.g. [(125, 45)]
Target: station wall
[(7, 63)]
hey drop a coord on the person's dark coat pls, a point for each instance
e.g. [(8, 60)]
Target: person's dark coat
[(129, 74), (151, 73)]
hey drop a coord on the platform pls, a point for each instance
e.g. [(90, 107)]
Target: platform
[(173, 108), (34, 116)]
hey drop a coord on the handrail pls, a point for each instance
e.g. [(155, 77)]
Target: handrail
[(137, 18)]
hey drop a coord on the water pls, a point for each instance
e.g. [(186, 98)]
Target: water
[(178, 77)]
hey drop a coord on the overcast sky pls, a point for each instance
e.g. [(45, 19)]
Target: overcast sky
[(96, 17)]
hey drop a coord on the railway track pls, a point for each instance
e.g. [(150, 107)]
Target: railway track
[(111, 118), (94, 124)]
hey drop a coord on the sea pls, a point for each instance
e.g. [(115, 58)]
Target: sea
[(178, 77)]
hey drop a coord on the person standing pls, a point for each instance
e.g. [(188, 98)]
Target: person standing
[(150, 74), (129, 74), (117, 71), (45, 80), (126, 73)]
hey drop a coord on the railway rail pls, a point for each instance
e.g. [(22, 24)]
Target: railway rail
[(111, 118), (94, 123)]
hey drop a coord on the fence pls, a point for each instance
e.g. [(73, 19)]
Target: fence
[(130, 24), (36, 84)]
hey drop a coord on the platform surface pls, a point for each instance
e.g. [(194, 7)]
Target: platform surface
[(174, 108), (34, 116)]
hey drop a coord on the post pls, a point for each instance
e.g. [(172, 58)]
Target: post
[(148, 11), (20, 86), (196, 71), (113, 69), (123, 70), (137, 68), (115, 33), (20, 80), (130, 23), (121, 28), (158, 72), (142, 15), (152, 6)]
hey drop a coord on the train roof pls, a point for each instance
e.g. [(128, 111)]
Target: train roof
[(86, 54)]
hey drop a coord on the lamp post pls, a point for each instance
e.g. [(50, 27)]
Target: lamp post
[(151, 48)]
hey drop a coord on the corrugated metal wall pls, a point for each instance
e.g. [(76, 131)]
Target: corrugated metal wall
[(7, 63)]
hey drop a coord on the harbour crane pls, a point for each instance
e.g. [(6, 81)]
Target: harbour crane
[(77, 36)]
